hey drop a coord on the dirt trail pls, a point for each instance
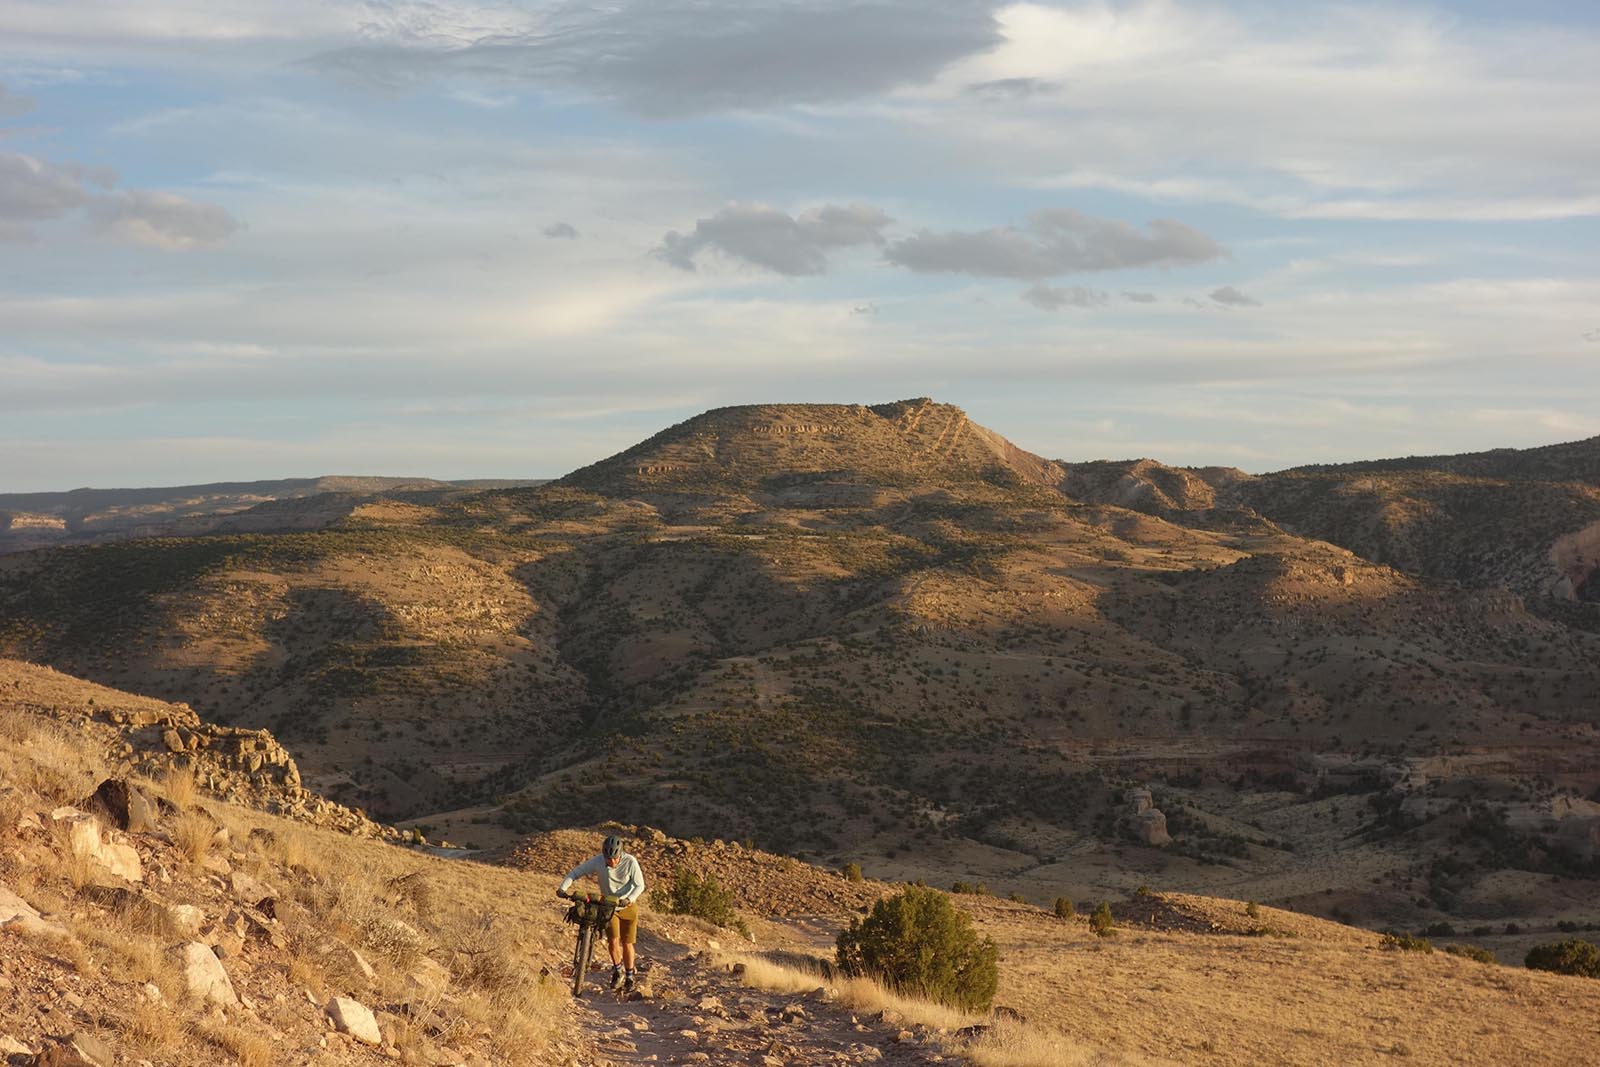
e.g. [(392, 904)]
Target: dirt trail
[(696, 1011)]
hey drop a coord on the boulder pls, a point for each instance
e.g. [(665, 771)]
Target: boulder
[(248, 889), (203, 975), (354, 1018), (186, 919), (122, 805), (85, 838), (19, 916)]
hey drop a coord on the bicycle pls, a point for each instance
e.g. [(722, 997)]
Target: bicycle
[(592, 913)]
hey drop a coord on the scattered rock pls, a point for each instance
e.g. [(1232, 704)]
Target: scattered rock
[(354, 1018), (186, 919), (17, 915), (203, 975), (85, 838), (10, 1046), (123, 805), (248, 889), (428, 978)]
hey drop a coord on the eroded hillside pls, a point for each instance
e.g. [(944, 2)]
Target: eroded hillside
[(883, 634)]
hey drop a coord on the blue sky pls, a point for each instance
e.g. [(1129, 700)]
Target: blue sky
[(252, 240)]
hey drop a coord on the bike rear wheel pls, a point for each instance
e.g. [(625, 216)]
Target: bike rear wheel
[(580, 958)]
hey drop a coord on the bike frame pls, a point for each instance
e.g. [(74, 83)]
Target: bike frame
[(591, 915)]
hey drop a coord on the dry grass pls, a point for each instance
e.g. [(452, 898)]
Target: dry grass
[(46, 761), (136, 947), (192, 834), (178, 786), (154, 1029), (251, 1049)]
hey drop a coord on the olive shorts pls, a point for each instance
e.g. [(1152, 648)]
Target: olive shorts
[(625, 924)]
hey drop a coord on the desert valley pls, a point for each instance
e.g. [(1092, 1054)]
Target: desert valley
[(1265, 717)]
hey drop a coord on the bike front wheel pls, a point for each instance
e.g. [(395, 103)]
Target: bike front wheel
[(580, 958)]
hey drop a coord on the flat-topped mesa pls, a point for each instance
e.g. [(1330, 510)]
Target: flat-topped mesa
[(760, 445)]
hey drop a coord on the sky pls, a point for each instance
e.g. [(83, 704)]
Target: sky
[(248, 239)]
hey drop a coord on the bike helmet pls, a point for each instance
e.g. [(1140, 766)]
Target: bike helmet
[(612, 848)]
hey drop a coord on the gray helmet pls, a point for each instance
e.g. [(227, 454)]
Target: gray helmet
[(612, 848)]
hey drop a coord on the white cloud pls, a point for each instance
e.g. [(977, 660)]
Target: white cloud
[(1303, 111)]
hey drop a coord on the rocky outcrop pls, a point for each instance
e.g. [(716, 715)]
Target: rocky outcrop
[(1144, 820)]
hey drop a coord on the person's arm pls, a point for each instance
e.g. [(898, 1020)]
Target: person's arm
[(592, 865), (635, 887)]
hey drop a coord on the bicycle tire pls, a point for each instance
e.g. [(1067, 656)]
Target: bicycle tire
[(580, 958)]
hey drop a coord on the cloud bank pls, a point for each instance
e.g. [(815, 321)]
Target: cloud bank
[(673, 58)]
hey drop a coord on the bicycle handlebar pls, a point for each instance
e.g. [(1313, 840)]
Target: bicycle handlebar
[(589, 896)]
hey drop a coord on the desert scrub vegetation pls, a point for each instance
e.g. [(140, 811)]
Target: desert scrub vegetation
[(1472, 952), (1573, 956), (1405, 943), (1101, 922), (918, 944), (702, 897)]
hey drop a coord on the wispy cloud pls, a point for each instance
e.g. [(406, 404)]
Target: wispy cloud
[(1048, 298), (1055, 241), (1228, 296), (672, 58)]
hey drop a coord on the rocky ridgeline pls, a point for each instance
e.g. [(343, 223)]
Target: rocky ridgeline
[(140, 736)]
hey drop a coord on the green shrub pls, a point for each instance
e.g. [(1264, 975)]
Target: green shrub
[(1017, 898), (1572, 956), (1251, 909), (1406, 943), (918, 944), (852, 872), (703, 898), (1472, 952), (1064, 908), (1101, 921)]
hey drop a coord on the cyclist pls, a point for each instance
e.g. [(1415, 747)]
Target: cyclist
[(621, 877)]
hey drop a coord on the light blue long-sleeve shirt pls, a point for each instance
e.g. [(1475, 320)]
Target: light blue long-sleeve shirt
[(625, 880)]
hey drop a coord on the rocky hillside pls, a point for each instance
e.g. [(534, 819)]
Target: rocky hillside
[(149, 921), (1525, 520), (883, 634)]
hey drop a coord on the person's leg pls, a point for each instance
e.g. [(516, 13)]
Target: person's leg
[(628, 931), (614, 946)]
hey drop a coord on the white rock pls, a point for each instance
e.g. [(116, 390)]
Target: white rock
[(354, 1018), (428, 978), (16, 914), (85, 838), (204, 976), (186, 919)]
